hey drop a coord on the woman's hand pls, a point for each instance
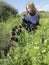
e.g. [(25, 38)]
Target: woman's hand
[(23, 16)]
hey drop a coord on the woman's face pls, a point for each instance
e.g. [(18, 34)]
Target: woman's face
[(29, 9)]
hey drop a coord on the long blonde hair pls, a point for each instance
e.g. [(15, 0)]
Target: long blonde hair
[(34, 10)]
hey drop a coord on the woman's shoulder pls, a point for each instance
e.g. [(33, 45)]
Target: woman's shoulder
[(36, 14)]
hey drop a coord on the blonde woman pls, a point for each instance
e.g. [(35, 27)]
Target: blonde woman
[(32, 17)]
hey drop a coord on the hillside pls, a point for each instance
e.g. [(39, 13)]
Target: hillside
[(32, 48)]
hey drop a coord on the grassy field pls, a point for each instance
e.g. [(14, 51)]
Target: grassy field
[(32, 47)]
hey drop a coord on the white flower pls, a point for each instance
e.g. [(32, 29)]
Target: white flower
[(45, 41), (43, 51), (35, 42), (36, 47)]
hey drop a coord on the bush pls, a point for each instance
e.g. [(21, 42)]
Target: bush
[(6, 11)]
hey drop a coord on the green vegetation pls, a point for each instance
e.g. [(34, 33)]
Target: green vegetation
[(6, 11), (44, 14), (32, 48)]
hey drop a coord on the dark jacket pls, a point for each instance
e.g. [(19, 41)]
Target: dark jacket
[(31, 19)]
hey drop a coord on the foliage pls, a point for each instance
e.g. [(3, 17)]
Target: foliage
[(6, 11), (32, 47), (44, 14)]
